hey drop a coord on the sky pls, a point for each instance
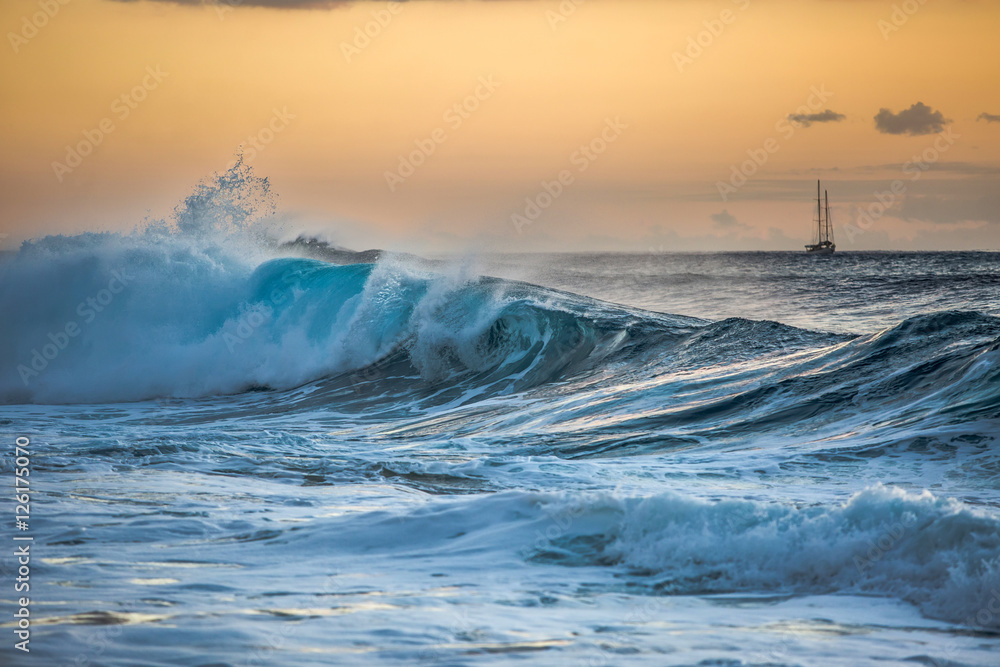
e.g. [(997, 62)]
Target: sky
[(513, 125)]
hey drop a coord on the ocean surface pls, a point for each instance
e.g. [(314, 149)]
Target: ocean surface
[(251, 454)]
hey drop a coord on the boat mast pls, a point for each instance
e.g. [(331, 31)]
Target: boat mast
[(819, 215), (829, 229)]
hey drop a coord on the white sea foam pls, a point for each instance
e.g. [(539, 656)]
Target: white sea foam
[(937, 553)]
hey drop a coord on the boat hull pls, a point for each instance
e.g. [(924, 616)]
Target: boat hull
[(821, 249)]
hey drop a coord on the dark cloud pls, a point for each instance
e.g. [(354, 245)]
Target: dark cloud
[(954, 167), (807, 119), (274, 4), (918, 119), (726, 220), (949, 209), (989, 117)]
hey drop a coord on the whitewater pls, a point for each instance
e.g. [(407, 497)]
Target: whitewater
[(251, 447)]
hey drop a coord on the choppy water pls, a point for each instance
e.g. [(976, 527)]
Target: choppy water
[(250, 456)]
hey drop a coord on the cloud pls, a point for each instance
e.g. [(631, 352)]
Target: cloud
[(989, 117), (726, 220), (918, 119), (807, 119), (947, 209), (274, 4), (952, 167)]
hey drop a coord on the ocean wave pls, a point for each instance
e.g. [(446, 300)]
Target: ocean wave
[(209, 304), (937, 553), (108, 318)]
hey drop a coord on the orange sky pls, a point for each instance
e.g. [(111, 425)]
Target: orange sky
[(331, 120)]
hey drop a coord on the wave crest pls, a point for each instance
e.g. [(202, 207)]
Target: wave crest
[(936, 553)]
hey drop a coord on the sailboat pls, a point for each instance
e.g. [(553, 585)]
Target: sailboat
[(824, 244)]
